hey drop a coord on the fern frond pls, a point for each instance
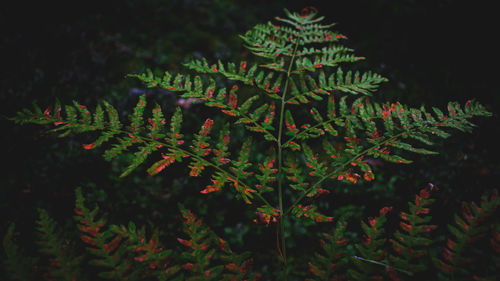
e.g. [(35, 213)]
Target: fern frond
[(205, 250), (63, 264), (411, 244), (331, 264), (17, 266), (103, 244), (462, 249), (149, 255), (299, 69), (371, 249), (124, 253)]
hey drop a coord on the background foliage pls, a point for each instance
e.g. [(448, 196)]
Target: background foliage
[(432, 52)]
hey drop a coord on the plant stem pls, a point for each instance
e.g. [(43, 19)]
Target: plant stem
[(280, 164)]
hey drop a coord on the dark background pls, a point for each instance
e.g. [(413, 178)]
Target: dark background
[(431, 51)]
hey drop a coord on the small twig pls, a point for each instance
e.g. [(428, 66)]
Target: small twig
[(383, 264)]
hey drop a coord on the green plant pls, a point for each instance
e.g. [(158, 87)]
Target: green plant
[(296, 76), (412, 246), (459, 257)]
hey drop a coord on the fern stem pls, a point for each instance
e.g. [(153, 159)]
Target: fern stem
[(280, 163), (303, 195)]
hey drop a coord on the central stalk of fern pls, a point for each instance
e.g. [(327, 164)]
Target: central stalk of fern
[(280, 158)]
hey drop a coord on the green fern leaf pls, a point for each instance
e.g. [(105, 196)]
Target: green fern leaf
[(370, 250), (331, 263), (16, 265), (411, 243), (458, 254), (63, 264)]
